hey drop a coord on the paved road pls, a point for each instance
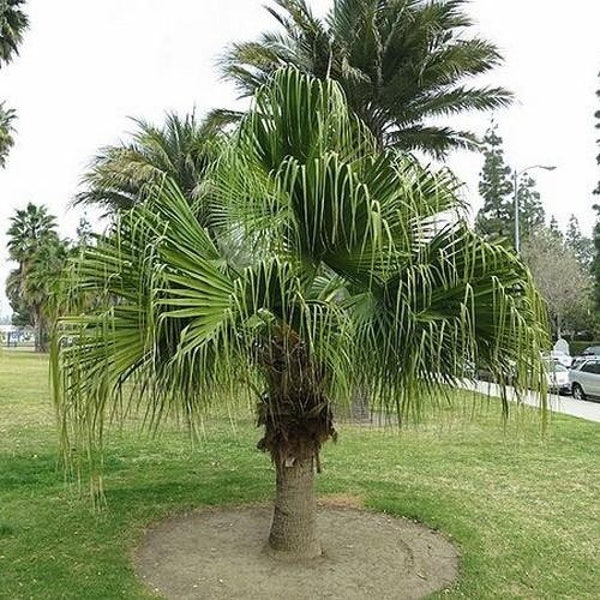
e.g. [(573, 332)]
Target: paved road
[(584, 409)]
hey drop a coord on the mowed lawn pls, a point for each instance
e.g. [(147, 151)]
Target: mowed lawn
[(524, 511)]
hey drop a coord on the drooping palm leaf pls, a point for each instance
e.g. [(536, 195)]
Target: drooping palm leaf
[(357, 266)]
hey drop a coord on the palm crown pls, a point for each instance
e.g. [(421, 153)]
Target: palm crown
[(34, 244), (347, 276), (404, 64), (29, 230), (120, 175)]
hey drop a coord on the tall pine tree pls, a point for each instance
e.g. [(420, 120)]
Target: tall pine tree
[(495, 220), (596, 261)]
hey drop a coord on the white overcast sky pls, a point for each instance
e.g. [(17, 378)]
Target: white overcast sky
[(86, 65)]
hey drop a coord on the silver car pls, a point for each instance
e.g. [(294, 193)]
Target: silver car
[(585, 378)]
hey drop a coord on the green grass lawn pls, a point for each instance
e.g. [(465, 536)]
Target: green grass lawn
[(525, 512)]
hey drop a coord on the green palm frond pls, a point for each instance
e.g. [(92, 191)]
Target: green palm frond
[(401, 63), (13, 23), (323, 264), (435, 140)]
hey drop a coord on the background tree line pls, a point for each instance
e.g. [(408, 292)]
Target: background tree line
[(561, 263), (374, 77)]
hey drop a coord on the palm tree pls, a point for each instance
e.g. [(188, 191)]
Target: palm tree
[(403, 64), (13, 23), (30, 228), (120, 175), (348, 276), (34, 244)]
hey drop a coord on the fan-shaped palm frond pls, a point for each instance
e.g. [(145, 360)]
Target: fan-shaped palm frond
[(349, 275)]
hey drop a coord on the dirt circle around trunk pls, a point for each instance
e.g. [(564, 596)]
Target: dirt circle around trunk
[(221, 555)]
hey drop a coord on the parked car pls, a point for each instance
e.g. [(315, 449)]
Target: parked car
[(591, 351), (585, 378), (557, 377)]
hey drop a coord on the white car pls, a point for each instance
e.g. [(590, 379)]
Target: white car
[(585, 378), (557, 377)]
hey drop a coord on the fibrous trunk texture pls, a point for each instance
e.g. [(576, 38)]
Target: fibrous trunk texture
[(298, 420), (294, 525)]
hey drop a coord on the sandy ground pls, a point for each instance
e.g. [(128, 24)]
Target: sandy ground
[(221, 555)]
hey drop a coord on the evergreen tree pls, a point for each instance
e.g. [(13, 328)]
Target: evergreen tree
[(495, 220), (531, 210), (597, 115), (596, 259), (582, 246), (83, 233), (120, 175), (337, 287), (596, 234)]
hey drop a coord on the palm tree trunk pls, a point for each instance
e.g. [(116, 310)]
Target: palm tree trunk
[(39, 330), (294, 525), (298, 420)]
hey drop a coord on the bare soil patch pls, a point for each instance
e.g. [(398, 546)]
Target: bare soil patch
[(222, 555)]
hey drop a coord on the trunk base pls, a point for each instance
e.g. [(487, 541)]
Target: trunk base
[(294, 525)]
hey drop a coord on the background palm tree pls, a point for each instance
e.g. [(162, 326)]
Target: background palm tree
[(347, 277), (120, 175), (13, 22), (30, 228), (403, 64), (34, 244)]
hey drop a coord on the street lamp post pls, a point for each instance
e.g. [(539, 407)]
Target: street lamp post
[(516, 176)]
